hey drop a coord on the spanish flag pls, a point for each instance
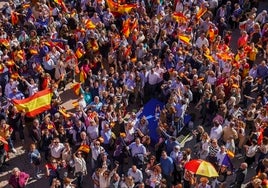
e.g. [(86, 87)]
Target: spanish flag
[(79, 52), (83, 76), (89, 24), (26, 5), (4, 42), (75, 104), (185, 39), (84, 148), (179, 17), (10, 63), (35, 104), (201, 12), (33, 51), (14, 18), (119, 8), (126, 28), (15, 76), (62, 4), (210, 58), (76, 88), (64, 112)]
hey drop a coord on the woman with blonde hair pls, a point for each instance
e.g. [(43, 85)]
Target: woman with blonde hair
[(204, 146), (18, 178)]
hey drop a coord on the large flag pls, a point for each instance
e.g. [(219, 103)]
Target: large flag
[(227, 162), (126, 28), (35, 104)]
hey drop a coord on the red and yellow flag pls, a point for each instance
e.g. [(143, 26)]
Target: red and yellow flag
[(179, 17), (4, 42), (14, 18), (79, 52), (185, 39), (35, 104), (82, 76), (76, 88), (201, 12), (210, 58), (89, 24), (64, 112), (120, 8), (84, 148), (33, 51), (126, 28)]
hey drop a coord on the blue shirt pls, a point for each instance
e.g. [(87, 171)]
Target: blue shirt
[(167, 165)]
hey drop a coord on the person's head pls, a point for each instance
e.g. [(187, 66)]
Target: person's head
[(204, 180), (134, 168), (243, 166), (138, 141), (56, 141), (79, 154), (16, 171), (164, 154), (156, 169), (176, 148), (32, 147)]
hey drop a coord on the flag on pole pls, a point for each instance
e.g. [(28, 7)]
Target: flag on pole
[(126, 28), (76, 88), (82, 76), (227, 162), (4, 42), (64, 112), (35, 104), (201, 12)]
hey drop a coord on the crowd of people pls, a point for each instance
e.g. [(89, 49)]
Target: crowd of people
[(124, 53)]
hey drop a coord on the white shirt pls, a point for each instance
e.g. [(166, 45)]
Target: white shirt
[(56, 150), (216, 132), (96, 151), (153, 78), (80, 165), (137, 176), (220, 156), (93, 131), (200, 42)]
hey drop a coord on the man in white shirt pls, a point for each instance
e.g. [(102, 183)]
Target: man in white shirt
[(135, 173), (56, 148), (221, 154), (10, 85), (96, 150), (201, 41), (216, 130)]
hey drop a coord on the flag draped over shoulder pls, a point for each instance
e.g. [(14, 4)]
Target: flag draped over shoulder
[(120, 8), (35, 104)]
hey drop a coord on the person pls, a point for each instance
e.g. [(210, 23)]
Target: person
[(18, 179), (167, 167), (80, 168), (56, 149), (136, 174), (138, 152), (240, 175), (35, 160), (203, 183), (52, 171), (154, 174), (105, 176)]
